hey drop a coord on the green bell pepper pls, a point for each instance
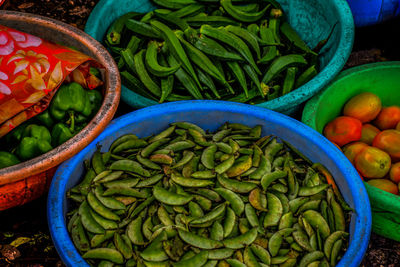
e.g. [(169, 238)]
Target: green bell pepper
[(95, 99), (45, 119), (35, 141), (7, 159), (60, 134), (70, 98), (14, 137)]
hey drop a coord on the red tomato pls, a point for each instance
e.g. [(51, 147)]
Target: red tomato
[(343, 130), (388, 118)]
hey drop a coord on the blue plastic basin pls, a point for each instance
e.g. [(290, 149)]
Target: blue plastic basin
[(370, 12), (312, 19), (210, 115)]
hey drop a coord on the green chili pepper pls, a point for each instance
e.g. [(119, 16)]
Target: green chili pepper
[(144, 76), (180, 23), (241, 15), (187, 10), (114, 32), (239, 74), (215, 21), (232, 41), (141, 28), (203, 61), (187, 81), (282, 63), (213, 48), (174, 4), (247, 36), (152, 63), (175, 47)]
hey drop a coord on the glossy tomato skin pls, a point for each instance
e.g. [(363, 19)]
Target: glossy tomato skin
[(385, 185), (372, 162), (351, 150), (394, 173), (368, 133), (389, 141), (364, 107), (388, 118), (343, 130)]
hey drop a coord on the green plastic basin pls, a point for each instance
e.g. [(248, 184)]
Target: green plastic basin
[(382, 79), (312, 19)]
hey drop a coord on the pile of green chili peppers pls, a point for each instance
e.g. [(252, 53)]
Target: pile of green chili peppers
[(241, 51), (70, 110), (185, 197)]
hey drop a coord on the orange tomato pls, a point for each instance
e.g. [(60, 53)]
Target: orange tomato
[(388, 118), (394, 172), (372, 162), (368, 133), (351, 150), (389, 141), (398, 126), (385, 185), (365, 107), (343, 130)]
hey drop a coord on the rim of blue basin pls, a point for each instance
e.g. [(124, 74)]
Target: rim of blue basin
[(360, 233)]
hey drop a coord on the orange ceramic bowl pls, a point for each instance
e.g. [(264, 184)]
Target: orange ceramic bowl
[(29, 180)]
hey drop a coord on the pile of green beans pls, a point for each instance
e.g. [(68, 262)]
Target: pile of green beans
[(188, 197), (243, 51)]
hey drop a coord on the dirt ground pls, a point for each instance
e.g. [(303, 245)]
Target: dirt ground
[(27, 227)]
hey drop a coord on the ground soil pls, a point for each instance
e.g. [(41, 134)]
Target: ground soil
[(375, 43)]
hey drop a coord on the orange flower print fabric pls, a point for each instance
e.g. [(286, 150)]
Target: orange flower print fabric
[(31, 70)]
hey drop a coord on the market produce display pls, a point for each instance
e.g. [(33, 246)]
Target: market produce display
[(70, 110), (243, 52), (189, 197), (369, 135)]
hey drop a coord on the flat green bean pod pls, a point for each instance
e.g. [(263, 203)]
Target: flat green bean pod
[(234, 200), (241, 240), (104, 254), (274, 211), (234, 185), (198, 241), (170, 198)]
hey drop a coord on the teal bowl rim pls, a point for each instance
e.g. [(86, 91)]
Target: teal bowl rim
[(362, 216), (284, 104)]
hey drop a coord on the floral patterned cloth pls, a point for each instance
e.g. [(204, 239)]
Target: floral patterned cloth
[(31, 70)]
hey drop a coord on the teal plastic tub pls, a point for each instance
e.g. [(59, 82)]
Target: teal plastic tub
[(312, 19), (210, 115)]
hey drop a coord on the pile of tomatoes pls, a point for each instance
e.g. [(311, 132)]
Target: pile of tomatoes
[(369, 136)]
